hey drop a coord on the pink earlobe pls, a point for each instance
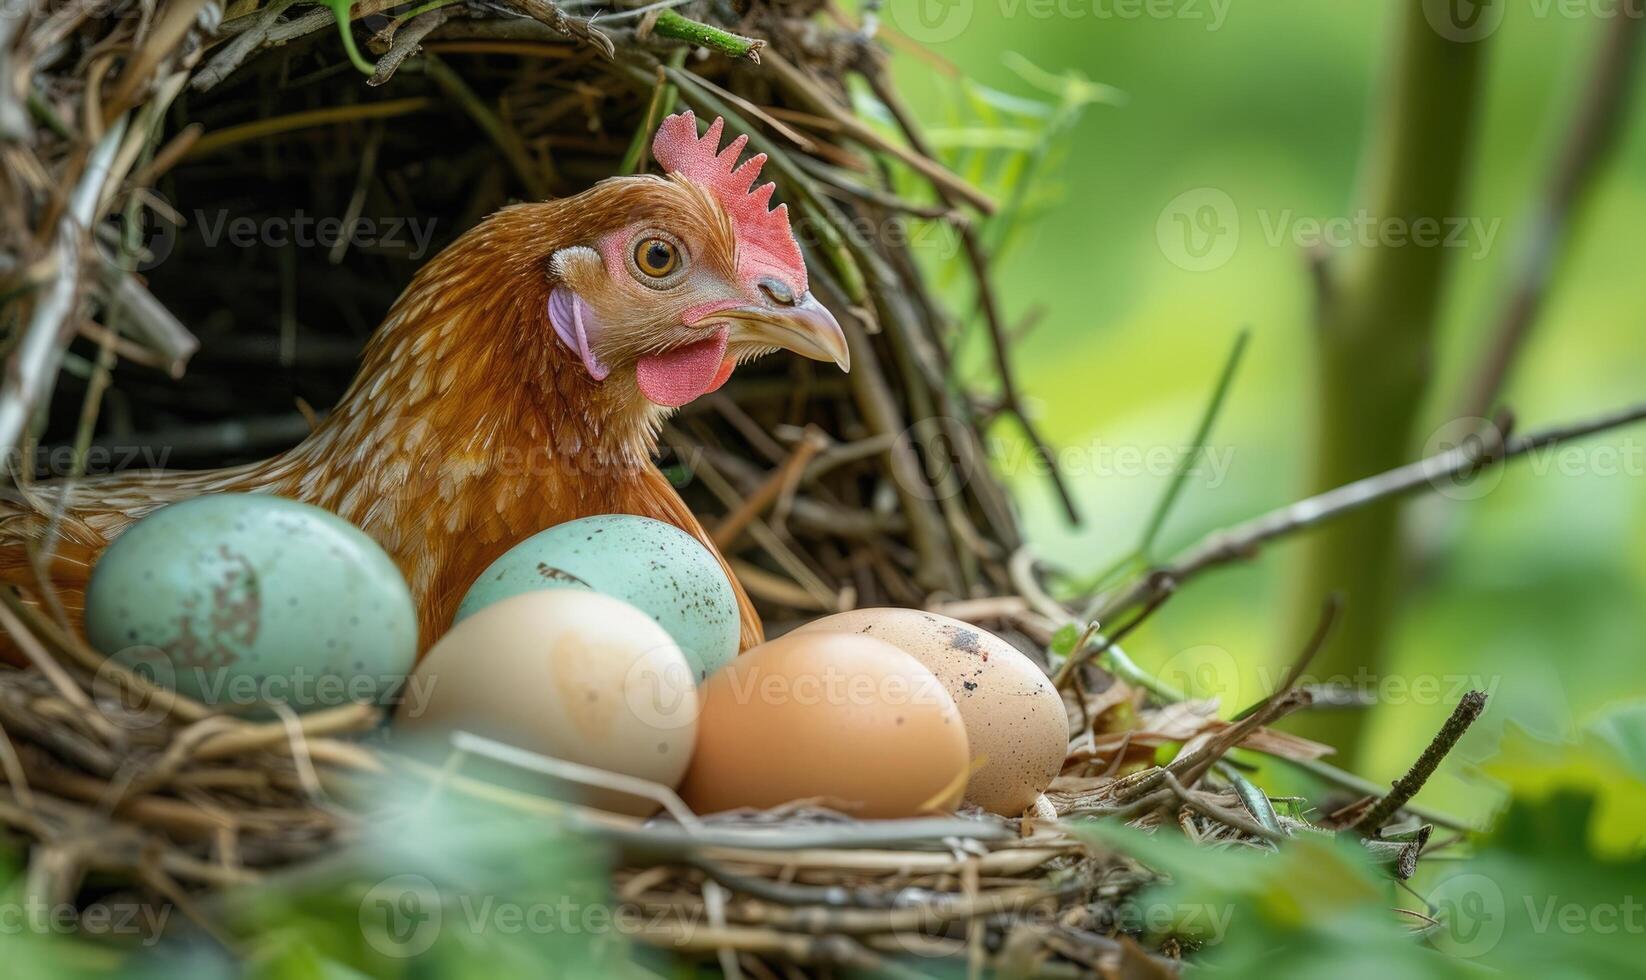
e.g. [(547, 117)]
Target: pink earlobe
[(723, 375), (574, 323)]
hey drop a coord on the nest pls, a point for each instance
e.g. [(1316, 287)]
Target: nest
[(154, 149), (128, 789)]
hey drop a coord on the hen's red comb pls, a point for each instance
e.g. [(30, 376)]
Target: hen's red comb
[(765, 243)]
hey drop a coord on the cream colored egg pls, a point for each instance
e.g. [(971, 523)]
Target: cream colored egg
[(849, 719), (1014, 716), (575, 675)]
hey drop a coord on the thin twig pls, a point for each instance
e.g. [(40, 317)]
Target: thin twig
[(1328, 773), (1595, 128), (1330, 611), (34, 360), (408, 41), (728, 530), (546, 12), (1198, 803), (1242, 542), (978, 260), (1009, 392), (1464, 715), (1080, 655), (149, 319), (226, 60), (916, 159), (1285, 699), (1197, 446)]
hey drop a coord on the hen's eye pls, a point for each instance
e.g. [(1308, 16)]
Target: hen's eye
[(656, 257)]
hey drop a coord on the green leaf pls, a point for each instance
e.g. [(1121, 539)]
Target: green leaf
[(1608, 763), (1555, 887), (1535, 901), (1315, 908), (1623, 730), (1064, 639), (454, 888)]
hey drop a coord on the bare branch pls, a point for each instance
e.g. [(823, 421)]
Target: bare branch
[(1243, 541), (34, 361), (1463, 716), (1596, 124)]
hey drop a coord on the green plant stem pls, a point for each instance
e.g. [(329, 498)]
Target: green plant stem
[(1115, 661), (1255, 799), (1214, 408), (340, 10), (663, 98), (1328, 773), (671, 25), (502, 135), (1378, 315)]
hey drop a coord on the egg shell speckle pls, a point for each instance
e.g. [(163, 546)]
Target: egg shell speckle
[(848, 718), (656, 567), (1014, 716), (242, 599), (570, 674)]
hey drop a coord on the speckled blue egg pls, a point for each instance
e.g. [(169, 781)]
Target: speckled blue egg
[(658, 568), (239, 600)]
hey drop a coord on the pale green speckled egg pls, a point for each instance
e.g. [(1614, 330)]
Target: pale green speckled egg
[(656, 567), (243, 599)]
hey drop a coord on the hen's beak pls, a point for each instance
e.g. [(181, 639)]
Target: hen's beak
[(799, 324)]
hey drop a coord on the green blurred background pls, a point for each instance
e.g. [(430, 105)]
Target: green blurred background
[(1532, 588)]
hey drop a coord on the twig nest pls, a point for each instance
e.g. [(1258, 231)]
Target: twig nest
[(1015, 722)]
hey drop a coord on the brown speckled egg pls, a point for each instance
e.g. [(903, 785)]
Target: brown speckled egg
[(1014, 716), (570, 674), (848, 718)]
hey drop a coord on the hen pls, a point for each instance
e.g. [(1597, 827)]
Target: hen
[(517, 383)]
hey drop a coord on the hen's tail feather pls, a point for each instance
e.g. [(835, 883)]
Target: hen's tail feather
[(65, 571), (52, 534)]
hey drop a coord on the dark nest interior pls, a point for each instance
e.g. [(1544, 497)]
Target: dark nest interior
[(219, 154)]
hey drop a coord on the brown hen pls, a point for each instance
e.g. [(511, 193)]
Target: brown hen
[(517, 383)]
